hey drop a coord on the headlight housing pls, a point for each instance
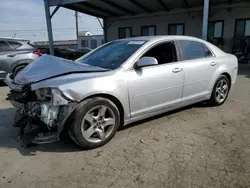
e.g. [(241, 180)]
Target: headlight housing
[(51, 99), (51, 95)]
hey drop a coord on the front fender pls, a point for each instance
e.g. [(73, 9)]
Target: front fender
[(80, 86), (87, 88)]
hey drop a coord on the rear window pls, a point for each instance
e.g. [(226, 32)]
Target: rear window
[(14, 45)]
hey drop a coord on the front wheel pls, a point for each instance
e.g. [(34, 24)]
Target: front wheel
[(220, 91), (95, 122)]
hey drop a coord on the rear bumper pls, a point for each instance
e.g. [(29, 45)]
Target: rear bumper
[(2, 75)]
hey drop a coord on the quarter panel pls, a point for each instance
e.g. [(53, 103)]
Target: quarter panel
[(7, 58), (226, 64)]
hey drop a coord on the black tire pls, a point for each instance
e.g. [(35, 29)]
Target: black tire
[(78, 115), (17, 70), (213, 101)]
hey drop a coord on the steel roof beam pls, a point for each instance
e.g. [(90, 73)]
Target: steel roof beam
[(63, 2), (163, 4), (115, 5), (186, 3), (56, 9), (77, 7), (105, 11), (136, 3)]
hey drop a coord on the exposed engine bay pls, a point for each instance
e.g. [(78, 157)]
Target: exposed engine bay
[(41, 114)]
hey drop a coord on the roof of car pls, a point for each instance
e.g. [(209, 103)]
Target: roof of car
[(14, 39), (164, 37), (154, 39)]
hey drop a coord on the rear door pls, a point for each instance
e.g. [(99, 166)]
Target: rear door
[(199, 65), (8, 56)]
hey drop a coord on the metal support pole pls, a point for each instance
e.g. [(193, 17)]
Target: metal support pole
[(105, 28), (76, 16), (49, 27), (205, 19)]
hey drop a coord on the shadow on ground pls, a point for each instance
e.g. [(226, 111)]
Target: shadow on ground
[(244, 70), (9, 134)]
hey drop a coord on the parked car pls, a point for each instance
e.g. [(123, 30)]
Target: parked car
[(84, 50), (15, 54), (66, 53), (120, 83)]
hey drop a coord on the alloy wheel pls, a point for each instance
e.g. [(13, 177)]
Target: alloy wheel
[(98, 124), (221, 91)]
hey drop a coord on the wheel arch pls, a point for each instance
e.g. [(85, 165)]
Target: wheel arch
[(228, 76), (20, 63), (112, 98)]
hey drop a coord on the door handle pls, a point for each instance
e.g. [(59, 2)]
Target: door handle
[(213, 64), (176, 70)]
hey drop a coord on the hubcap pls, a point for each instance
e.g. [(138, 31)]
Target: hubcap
[(98, 124), (221, 91)]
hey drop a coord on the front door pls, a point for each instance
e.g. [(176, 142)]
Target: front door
[(156, 87)]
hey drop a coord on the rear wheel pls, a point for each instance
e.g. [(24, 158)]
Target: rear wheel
[(18, 69), (220, 91), (95, 122)]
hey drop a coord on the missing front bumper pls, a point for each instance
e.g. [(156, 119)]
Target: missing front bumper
[(35, 131)]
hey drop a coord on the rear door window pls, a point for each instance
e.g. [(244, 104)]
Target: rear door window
[(191, 50), (14, 45), (4, 46), (208, 52)]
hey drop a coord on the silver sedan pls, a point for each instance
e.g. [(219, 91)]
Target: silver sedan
[(119, 83)]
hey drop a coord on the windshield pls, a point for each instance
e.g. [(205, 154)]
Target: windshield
[(111, 55)]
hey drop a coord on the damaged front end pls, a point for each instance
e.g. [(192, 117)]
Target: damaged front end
[(41, 114), (45, 94)]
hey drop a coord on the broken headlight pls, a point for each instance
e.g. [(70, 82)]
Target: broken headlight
[(51, 100), (51, 95)]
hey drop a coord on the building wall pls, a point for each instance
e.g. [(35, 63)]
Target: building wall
[(191, 19), (99, 41)]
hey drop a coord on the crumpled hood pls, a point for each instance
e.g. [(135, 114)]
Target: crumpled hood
[(50, 66)]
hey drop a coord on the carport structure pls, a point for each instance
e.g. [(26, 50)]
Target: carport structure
[(112, 9)]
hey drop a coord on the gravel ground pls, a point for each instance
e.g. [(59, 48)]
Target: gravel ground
[(193, 147)]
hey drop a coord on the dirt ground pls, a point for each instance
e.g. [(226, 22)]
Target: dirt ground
[(194, 147)]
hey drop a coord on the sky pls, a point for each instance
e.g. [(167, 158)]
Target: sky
[(26, 19)]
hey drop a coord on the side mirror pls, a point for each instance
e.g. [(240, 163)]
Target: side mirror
[(146, 61)]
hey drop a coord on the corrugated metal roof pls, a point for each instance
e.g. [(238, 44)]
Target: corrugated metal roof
[(117, 8)]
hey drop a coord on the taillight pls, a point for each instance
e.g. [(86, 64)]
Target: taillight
[(38, 52)]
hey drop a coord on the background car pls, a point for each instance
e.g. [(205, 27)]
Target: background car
[(66, 53), (84, 50), (15, 54)]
